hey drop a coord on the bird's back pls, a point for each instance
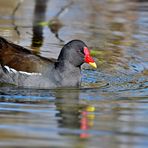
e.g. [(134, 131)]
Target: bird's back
[(22, 59)]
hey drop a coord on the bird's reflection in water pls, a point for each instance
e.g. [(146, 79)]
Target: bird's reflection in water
[(87, 120), (74, 116)]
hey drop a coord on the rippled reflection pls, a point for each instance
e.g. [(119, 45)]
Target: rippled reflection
[(109, 110)]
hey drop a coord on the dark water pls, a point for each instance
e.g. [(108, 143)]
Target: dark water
[(110, 109)]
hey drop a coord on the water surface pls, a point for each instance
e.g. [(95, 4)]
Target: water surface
[(110, 108)]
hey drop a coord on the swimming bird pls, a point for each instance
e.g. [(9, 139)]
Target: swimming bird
[(21, 67)]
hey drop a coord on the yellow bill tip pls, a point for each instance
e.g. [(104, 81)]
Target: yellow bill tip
[(93, 64)]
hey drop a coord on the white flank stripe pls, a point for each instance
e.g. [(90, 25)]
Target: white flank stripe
[(11, 70)]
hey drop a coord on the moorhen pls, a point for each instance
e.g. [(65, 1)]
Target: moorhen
[(21, 67)]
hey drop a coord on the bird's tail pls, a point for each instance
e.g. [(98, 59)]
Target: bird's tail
[(3, 42), (2, 73), (3, 46)]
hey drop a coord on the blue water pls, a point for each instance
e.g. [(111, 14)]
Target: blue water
[(110, 108)]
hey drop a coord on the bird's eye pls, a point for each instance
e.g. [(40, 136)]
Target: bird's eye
[(81, 52)]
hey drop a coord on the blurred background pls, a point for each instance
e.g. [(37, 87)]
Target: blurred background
[(110, 109)]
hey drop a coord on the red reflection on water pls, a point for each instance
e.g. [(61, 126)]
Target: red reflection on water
[(86, 121)]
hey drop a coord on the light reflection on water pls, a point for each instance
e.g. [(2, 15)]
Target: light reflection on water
[(41, 117), (110, 109), (68, 116)]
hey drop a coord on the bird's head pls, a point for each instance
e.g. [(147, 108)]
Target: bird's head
[(76, 52)]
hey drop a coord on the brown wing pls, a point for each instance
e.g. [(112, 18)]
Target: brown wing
[(21, 59)]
